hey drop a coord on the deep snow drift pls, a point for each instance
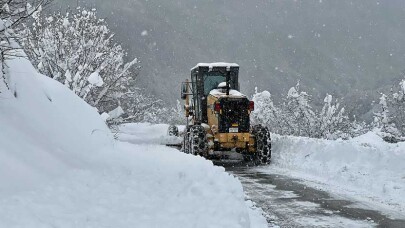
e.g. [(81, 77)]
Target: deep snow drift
[(60, 167), (45, 130), (365, 168), (204, 192)]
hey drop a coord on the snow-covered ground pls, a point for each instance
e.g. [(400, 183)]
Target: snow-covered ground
[(210, 194), (146, 133), (366, 169), (60, 167)]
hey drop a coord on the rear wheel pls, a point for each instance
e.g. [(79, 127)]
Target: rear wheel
[(262, 144), (173, 130)]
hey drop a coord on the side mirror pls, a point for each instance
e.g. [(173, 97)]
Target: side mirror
[(183, 91)]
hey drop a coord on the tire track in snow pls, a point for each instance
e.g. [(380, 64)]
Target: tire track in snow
[(290, 203)]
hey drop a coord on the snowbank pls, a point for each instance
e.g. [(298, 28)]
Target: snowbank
[(60, 167), (365, 167), (45, 130), (203, 192), (146, 133)]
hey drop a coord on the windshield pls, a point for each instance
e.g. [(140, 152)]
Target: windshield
[(211, 81)]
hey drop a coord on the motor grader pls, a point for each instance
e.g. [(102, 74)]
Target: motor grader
[(218, 115)]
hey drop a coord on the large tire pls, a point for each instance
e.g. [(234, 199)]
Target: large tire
[(197, 140), (186, 138), (262, 144), (173, 130)]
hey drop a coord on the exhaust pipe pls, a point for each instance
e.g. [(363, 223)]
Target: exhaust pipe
[(228, 79)]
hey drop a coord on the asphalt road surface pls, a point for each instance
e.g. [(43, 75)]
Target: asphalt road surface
[(288, 202)]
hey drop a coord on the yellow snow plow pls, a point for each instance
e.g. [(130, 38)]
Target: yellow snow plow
[(218, 115)]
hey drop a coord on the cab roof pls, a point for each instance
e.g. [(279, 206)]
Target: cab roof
[(212, 65), (232, 93)]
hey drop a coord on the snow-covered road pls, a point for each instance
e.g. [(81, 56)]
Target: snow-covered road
[(289, 202)]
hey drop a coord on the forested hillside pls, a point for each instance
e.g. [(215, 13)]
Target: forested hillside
[(345, 48)]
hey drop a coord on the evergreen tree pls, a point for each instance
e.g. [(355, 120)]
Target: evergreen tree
[(397, 105), (384, 123), (297, 114), (265, 112), (332, 123)]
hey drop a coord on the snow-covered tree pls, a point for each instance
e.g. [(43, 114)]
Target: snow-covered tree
[(136, 105), (78, 50), (266, 113), (359, 128), (390, 119), (381, 118), (384, 123), (297, 114), (397, 103), (176, 114), (331, 121), (12, 14), (141, 106)]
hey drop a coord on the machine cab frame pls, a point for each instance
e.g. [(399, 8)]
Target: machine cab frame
[(206, 77)]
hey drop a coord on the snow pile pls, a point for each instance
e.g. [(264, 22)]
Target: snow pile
[(146, 133), (208, 189), (59, 167), (46, 130), (95, 79), (116, 113), (232, 92), (364, 167)]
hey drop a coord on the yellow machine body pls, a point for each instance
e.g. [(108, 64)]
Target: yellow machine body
[(225, 141)]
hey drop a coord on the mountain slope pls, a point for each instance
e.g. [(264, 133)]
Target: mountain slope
[(340, 47)]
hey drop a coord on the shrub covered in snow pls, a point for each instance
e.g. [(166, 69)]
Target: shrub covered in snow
[(139, 106), (295, 116), (176, 115), (297, 112), (12, 13), (389, 120), (78, 50)]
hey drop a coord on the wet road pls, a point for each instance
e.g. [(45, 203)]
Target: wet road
[(290, 203)]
